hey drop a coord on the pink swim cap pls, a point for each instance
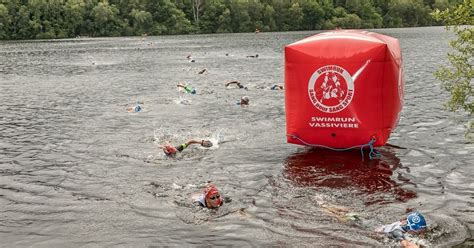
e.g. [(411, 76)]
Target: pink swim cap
[(210, 191), (169, 150)]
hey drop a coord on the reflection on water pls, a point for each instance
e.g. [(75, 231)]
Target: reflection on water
[(76, 169), (349, 169)]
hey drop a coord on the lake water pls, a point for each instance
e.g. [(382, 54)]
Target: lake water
[(76, 169)]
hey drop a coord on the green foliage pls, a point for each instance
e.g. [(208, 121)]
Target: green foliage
[(4, 21), (74, 13), (268, 19), (313, 15), (29, 19), (348, 21), (294, 17), (458, 77), (241, 21), (141, 21), (215, 18), (105, 19), (407, 13), (367, 13)]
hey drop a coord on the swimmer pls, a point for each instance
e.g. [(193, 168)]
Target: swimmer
[(244, 101), (209, 198), (203, 71), (171, 151), (341, 213), (190, 59), (252, 56), (134, 109), (276, 87), (236, 83), (188, 89), (414, 223)]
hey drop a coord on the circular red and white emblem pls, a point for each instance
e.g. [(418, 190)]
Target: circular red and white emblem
[(331, 88)]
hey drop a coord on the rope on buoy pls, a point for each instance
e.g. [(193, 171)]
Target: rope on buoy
[(372, 154)]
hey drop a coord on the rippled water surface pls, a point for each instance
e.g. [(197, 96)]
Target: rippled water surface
[(76, 169)]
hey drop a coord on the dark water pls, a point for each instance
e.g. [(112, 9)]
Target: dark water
[(77, 170)]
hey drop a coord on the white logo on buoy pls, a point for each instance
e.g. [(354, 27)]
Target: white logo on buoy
[(415, 219), (331, 88)]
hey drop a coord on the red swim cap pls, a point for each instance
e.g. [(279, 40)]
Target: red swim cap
[(169, 150), (211, 190)]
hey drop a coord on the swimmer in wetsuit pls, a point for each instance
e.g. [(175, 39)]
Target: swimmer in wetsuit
[(187, 89), (172, 150), (414, 223), (236, 83), (134, 109), (244, 101), (276, 87), (209, 198)]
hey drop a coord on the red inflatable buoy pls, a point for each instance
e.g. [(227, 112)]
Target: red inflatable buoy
[(343, 89)]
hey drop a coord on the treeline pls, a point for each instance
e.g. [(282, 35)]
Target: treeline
[(44, 19)]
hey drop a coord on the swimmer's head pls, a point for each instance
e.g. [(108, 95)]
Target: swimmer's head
[(206, 143), (169, 150), (416, 222), (134, 109), (137, 108), (212, 197), (244, 100)]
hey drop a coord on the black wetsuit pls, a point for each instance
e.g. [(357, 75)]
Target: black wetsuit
[(181, 147)]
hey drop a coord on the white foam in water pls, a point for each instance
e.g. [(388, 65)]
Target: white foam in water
[(161, 136), (414, 153), (176, 186), (455, 178), (460, 128), (429, 165), (182, 100), (432, 168), (215, 138), (427, 124), (431, 151), (190, 186)]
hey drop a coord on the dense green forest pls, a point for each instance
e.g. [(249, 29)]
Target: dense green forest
[(30, 19)]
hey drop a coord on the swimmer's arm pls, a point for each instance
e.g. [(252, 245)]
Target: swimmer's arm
[(189, 142), (232, 82), (204, 143), (399, 235), (194, 142), (407, 244)]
